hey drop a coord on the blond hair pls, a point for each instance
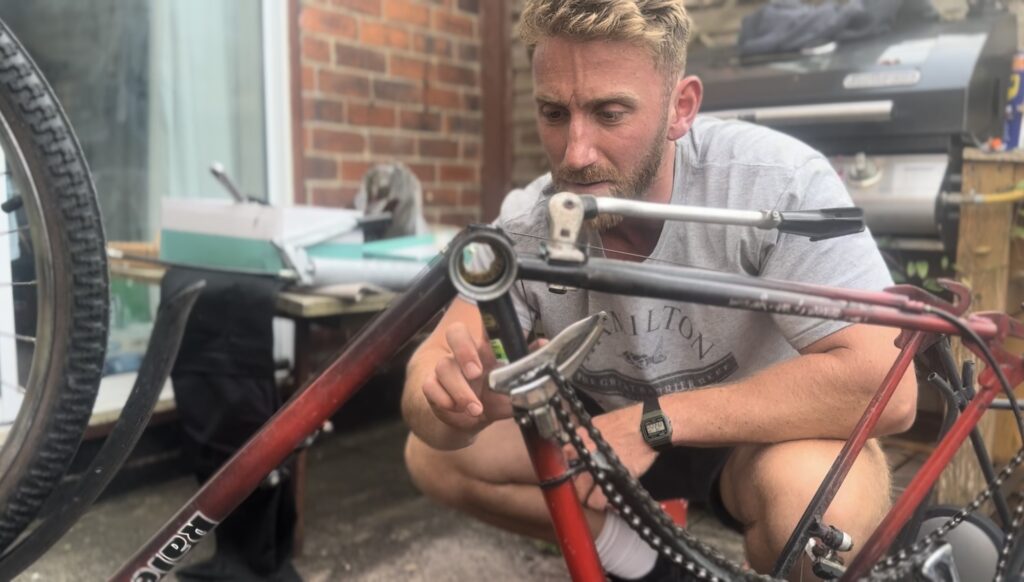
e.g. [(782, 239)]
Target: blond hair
[(660, 26)]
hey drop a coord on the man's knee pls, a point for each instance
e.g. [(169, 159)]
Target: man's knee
[(866, 493), (775, 483)]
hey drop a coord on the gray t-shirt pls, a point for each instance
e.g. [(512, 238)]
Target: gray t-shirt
[(664, 346)]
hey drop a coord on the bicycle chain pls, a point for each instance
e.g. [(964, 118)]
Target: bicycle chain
[(645, 516), (1015, 529)]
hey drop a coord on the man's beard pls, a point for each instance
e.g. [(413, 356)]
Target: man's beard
[(633, 187)]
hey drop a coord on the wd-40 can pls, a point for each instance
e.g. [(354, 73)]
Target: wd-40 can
[(1014, 105)]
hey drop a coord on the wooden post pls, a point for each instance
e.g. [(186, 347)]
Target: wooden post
[(983, 264), (495, 79)]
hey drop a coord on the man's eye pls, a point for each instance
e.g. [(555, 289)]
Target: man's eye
[(611, 116), (552, 115)]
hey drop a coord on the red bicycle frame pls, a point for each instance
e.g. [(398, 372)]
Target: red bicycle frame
[(383, 337)]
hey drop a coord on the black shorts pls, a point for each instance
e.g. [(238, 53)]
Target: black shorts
[(692, 473)]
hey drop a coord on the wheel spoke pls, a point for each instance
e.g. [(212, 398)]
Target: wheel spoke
[(14, 230), (19, 337)]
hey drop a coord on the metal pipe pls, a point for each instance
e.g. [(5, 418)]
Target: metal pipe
[(846, 112), (656, 211)]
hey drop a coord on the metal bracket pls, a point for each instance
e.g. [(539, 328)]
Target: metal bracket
[(961, 294), (824, 562), (528, 381), (1006, 326), (293, 249), (566, 211), (939, 566)]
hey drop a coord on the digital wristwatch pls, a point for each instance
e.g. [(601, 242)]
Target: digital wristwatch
[(655, 425)]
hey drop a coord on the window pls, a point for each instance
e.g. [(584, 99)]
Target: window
[(156, 90)]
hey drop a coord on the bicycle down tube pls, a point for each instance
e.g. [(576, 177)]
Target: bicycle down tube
[(304, 413)]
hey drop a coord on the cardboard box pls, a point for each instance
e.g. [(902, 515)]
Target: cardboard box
[(231, 235)]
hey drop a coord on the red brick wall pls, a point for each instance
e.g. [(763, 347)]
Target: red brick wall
[(392, 80)]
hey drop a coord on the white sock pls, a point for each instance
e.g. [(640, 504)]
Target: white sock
[(622, 551)]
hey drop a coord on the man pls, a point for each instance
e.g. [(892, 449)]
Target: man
[(759, 402)]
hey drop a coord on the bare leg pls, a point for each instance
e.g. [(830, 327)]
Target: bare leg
[(492, 479), (768, 487)]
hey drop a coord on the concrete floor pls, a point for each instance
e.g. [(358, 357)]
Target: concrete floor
[(364, 521)]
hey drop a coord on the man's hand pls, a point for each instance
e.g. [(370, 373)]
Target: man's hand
[(457, 390), (620, 429)]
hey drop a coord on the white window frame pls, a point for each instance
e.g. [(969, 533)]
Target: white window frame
[(277, 101)]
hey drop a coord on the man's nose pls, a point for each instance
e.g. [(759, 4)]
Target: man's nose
[(579, 148)]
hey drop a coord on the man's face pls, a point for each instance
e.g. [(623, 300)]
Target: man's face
[(602, 110)]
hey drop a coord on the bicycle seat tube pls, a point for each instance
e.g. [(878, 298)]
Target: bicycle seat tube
[(483, 268)]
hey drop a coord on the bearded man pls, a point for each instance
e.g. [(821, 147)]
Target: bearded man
[(760, 402)]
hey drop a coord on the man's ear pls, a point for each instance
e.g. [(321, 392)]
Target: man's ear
[(684, 102)]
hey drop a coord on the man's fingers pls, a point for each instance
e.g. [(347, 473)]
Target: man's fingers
[(450, 376), (463, 347), (437, 396)]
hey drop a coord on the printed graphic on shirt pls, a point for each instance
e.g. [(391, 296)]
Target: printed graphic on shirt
[(660, 350)]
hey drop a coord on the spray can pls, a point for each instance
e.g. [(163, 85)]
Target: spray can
[(1014, 105)]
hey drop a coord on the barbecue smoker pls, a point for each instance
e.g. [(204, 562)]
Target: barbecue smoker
[(893, 114)]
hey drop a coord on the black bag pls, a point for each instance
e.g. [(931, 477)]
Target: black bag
[(784, 26), (224, 389)]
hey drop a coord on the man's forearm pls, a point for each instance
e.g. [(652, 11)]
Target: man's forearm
[(811, 396)]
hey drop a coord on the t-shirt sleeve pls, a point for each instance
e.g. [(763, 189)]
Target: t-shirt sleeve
[(851, 261)]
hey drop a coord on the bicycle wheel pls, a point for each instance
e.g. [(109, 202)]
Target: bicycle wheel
[(53, 290)]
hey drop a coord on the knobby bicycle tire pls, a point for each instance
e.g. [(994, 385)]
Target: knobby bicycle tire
[(72, 303)]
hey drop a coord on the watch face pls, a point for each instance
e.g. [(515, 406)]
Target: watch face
[(655, 428)]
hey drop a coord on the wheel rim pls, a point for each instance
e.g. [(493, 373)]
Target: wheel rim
[(30, 216)]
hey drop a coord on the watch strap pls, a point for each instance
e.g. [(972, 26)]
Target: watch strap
[(651, 404)]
